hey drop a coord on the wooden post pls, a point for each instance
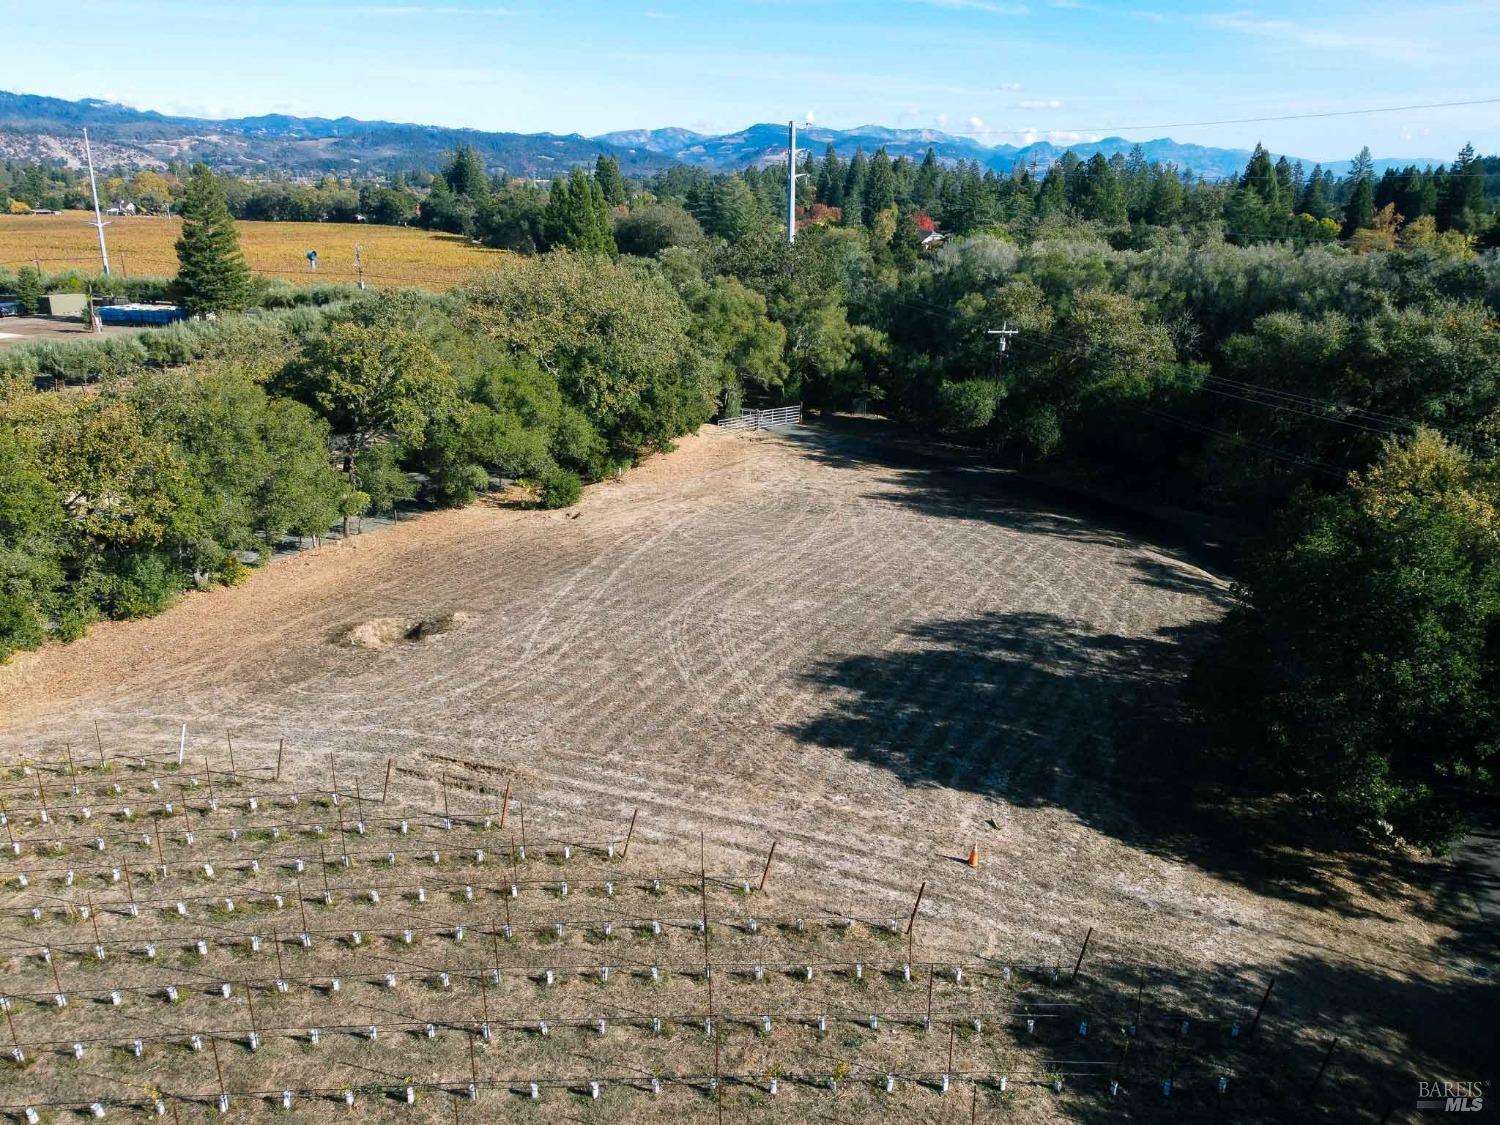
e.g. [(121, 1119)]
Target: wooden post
[(276, 941), (386, 789), (14, 1038), (473, 1067), (209, 774), (333, 778), (929, 994), (302, 906), (952, 1031), (625, 851), (250, 1002), (915, 906), (505, 803), (766, 870), (72, 772), (1079, 963), (1261, 1007), (99, 743), (214, 1043), (129, 889), (233, 773), (445, 796), (359, 801), (280, 747)]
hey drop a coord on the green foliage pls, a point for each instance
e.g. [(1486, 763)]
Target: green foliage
[(647, 231), (29, 290), (577, 216), (616, 335), (560, 488), (1358, 668), (212, 276)]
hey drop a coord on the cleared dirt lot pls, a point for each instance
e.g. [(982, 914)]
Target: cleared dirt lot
[(874, 656)]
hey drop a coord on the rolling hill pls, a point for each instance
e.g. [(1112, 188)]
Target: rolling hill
[(34, 127)]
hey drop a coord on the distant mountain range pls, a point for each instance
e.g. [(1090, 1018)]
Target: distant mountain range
[(33, 127)]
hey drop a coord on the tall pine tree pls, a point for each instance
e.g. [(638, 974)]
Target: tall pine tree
[(607, 176), (211, 273)]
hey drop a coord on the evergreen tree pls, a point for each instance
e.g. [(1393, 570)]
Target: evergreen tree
[(1053, 197), (211, 273), (607, 176), (854, 188), (927, 189), (1100, 196), (1463, 205), (1359, 212), (464, 173), (831, 178), (880, 187), (1286, 183), (1260, 177), (1164, 204)]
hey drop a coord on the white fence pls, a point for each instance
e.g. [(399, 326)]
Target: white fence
[(764, 419)]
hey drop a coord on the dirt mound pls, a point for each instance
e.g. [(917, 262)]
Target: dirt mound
[(383, 632)]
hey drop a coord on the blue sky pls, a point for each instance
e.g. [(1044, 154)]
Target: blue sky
[(1010, 70)]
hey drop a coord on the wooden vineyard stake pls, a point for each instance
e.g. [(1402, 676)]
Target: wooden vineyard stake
[(505, 803), (929, 995), (1079, 963), (233, 773), (446, 817), (99, 743), (952, 1033), (219, 1070), (333, 778), (766, 870), (385, 790), (625, 851), (72, 772), (916, 906), (209, 774), (280, 749)]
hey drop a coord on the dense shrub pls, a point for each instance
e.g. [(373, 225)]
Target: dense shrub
[(560, 488)]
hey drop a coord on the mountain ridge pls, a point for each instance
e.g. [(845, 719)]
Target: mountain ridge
[(38, 127)]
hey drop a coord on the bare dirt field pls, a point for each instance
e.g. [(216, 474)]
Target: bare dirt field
[(874, 656)]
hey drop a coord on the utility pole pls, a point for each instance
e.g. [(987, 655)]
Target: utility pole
[(791, 181), (98, 224), (359, 267), (1002, 336)]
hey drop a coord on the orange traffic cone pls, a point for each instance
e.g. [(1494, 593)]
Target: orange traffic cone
[(974, 856)]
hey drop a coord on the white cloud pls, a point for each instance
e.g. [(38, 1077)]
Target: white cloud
[(1063, 137), (1039, 103), (1010, 87), (976, 123)]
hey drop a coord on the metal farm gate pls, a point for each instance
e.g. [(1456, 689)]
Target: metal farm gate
[(764, 419)]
